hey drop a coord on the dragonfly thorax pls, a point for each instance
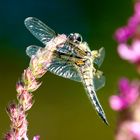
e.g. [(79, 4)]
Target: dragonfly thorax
[(75, 37)]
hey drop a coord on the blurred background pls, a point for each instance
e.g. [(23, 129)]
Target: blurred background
[(62, 110)]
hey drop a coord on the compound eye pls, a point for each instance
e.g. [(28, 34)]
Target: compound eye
[(75, 37), (71, 37), (79, 38)]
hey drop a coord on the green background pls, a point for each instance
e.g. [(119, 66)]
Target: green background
[(62, 110)]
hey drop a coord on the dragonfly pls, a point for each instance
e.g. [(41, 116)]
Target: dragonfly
[(73, 60)]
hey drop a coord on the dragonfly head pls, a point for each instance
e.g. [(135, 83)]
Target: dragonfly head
[(75, 37)]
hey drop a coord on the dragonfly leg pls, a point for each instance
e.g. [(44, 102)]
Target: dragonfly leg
[(98, 73), (95, 54), (98, 56)]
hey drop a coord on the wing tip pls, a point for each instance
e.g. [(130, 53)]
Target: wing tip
[(29, 19), (102, 51), (27, 50), (32, 50)]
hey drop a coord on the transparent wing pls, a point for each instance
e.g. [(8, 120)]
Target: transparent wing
[(99, 82), (64, 69), (66, 49), (32, 49), (71, 49), (67, 70), (41, 31), (98, 61)]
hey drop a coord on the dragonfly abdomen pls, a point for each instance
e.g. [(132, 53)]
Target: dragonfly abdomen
[(87, 79)]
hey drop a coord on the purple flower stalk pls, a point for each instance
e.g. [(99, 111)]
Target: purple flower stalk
[(128, 94), (124, 33), (130, 51), (128, 130), (127, 102), (25, 87)]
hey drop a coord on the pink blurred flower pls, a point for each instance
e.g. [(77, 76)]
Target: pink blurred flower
[(128, 93), (130, 31), (122, 34), (134, 128), (137, 8), (36, 137), (128, 130), (130, 53)]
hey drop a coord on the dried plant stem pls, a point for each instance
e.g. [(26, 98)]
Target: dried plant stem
[(28, 83)]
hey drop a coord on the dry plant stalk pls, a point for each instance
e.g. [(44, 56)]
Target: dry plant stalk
[(29, 83)]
